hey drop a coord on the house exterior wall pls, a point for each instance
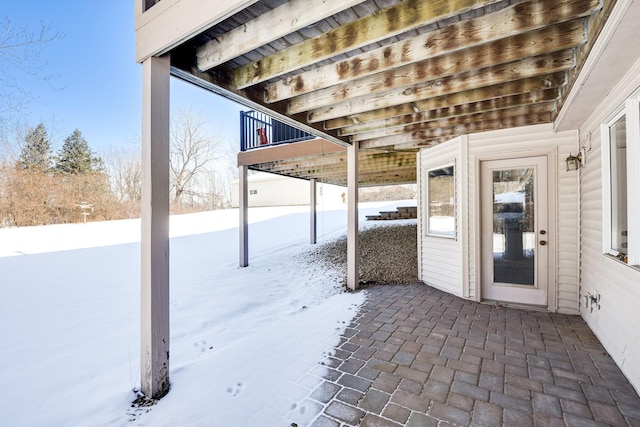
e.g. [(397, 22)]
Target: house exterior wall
[(440, 260), (616, 322), (275, 190)]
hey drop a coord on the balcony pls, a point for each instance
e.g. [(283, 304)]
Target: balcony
[(259, 130)]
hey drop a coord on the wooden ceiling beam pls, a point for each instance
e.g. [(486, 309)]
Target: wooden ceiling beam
[(545, 40), (509, 22), (387, 178), (331, 163), (424, 136), (533, 88), (311, 147), (483, 106), (279, 22), (404, 176), (477, 79), (384, 24), (521, 110), (320, 172)]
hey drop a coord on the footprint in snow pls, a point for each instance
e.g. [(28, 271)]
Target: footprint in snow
[(235, 390)]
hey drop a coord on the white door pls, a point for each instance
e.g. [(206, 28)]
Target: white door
[(514, 230)]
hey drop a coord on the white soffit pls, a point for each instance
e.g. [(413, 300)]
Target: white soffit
[(171, 22)]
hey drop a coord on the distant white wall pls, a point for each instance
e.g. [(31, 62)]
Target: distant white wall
[(275, 190)]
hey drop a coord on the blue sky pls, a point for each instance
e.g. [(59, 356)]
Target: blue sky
[(97, 83)]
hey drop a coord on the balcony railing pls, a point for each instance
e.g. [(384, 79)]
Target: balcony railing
[(259, 130)]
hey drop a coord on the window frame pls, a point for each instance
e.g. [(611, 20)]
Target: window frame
[(631, 110), (432, 233)]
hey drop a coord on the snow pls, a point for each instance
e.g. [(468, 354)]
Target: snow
[(245, 342)]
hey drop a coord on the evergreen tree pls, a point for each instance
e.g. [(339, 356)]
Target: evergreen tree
[(75, 156), (36, 152)]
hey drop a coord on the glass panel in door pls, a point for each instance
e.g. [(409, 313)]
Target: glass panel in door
[(513, 226)]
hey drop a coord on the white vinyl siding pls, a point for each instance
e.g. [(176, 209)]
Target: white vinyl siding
[(617, 322), (441, 258), (451, 265)]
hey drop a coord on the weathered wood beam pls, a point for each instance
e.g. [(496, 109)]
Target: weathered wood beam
[(424, 136), (285, 19), (522, 110), (533, 87), (406, 170), (529, 67), (324, 176), (508, 22), (319, 172), (331, 164), (546, 40), (418, 145), (483, 106), (392, 177), (407, 176), (287, 151), (387, 23), (306, 165)]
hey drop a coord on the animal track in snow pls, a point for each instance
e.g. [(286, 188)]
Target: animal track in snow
[(235, 390), (202, 345)]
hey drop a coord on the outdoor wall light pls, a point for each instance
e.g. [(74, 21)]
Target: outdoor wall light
[(573, 162)]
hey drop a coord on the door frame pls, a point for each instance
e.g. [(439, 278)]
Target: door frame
[(552, 185)]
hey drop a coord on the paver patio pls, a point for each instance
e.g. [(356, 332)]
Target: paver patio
[(417, 356)]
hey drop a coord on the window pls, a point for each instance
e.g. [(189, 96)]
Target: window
[(441, 199), (621, 183), (251, 192), (618, 168)]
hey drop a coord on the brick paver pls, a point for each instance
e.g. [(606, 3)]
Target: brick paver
[(417, 356)]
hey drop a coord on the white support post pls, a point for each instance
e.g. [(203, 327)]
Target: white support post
[(353, 251), (154, 301), (244, 214), (312, 211)]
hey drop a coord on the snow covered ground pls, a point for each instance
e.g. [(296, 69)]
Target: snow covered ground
[(245, 342)]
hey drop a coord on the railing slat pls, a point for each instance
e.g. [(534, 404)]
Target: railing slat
[(259, 130)]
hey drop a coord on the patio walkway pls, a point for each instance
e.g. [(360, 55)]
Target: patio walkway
[(417, 356)]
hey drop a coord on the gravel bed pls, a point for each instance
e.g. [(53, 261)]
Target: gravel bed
[(388, 254)]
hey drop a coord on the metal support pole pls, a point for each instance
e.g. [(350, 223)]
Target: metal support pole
[(243, 208), (312, 211), (353, 251)]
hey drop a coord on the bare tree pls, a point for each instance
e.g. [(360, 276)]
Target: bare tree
[(20, 51), (124, 167), (193, 151)]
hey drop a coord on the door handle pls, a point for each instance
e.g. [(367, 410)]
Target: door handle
[(543, 242)]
